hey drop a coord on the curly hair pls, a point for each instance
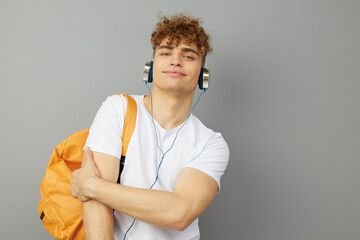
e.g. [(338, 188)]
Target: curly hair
[(179, 27)]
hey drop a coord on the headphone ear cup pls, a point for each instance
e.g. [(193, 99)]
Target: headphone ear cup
[(204, 79), (148, 72), (151, 72), (201, 78)]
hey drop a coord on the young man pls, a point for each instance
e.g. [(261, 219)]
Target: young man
[(189, 173)]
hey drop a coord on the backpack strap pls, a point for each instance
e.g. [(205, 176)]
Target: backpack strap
[(128, 129)]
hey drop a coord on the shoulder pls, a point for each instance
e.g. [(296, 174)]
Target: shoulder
[(204, 133), (207, 140), (114, 100), (118, 102), (211, 154)]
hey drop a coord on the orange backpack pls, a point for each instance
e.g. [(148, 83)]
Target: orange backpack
[(60, 213)]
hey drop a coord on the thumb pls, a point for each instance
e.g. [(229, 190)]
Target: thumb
[(87, 157)]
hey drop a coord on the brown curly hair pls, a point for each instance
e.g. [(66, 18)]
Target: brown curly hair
[(179, 27)]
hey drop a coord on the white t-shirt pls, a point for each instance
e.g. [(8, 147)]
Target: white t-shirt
[(196, 146)]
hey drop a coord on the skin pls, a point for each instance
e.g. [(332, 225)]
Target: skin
[(176, 72)]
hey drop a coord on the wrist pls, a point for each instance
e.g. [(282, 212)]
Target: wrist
[(91, 186)]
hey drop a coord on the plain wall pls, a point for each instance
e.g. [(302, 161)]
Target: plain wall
[(285, 83)]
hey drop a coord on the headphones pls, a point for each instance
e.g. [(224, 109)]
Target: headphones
[(203, 77)]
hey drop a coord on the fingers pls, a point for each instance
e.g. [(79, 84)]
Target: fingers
[(76, 191)]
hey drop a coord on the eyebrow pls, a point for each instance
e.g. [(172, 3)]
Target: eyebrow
[(182, 49), (166, 47), (189, 50)]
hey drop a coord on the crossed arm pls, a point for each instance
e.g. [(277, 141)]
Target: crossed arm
[(94, 184)]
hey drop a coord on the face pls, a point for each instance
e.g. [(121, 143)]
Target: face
[(177, 68)]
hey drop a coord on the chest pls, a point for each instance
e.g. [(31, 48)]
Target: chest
[(157, 155)]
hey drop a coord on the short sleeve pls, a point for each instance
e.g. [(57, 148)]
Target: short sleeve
[(213, 158), (105, 131)]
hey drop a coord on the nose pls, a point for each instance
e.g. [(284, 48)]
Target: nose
[(175, 60)]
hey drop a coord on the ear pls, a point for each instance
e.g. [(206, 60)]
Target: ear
[(203, 59)]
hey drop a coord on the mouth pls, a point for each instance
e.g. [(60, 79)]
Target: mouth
[(174, 73)]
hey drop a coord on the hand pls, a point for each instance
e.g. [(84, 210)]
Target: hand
[(81, 178)]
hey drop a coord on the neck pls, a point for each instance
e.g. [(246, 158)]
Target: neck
[(169, 110)]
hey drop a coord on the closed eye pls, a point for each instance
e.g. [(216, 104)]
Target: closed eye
[(189, 57)]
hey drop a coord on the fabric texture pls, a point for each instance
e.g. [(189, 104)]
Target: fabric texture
[(196, 146)]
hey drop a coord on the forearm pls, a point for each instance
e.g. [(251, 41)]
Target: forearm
[(98, 221), (98, 217), (161, 208)]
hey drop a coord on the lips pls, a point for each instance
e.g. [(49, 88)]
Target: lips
[(174, 73)]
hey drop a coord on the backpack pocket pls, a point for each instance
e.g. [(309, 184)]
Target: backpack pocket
[(50, 219)]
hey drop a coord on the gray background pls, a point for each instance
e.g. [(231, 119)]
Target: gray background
[(285, 82)]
